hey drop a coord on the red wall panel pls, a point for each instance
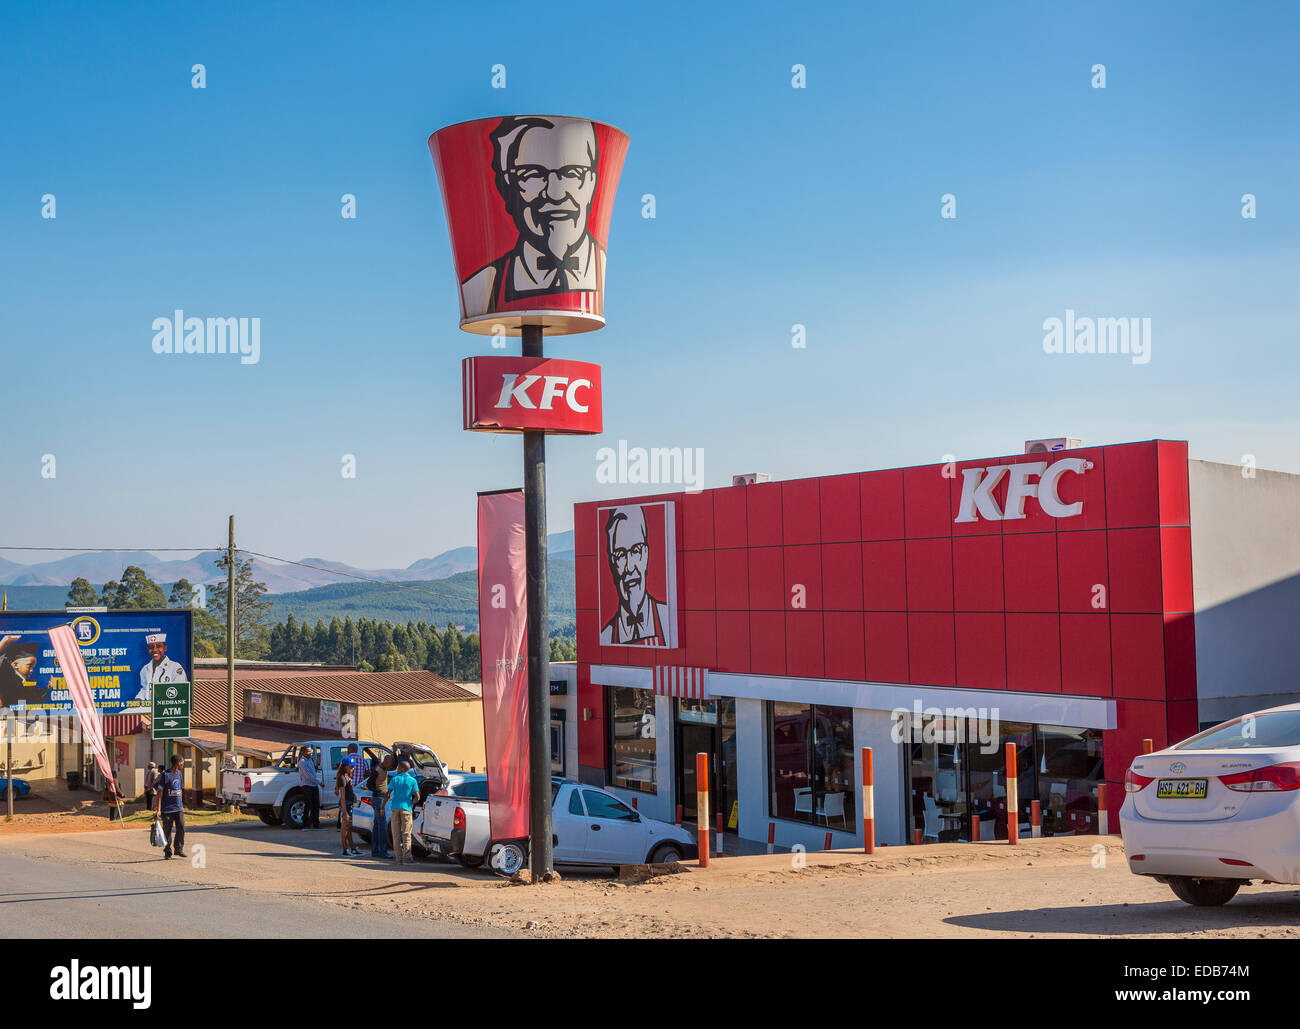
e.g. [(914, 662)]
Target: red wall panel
[(767, 642), (731, 580), (1081, 568), (977, 573), (929, 575), (697, 521), (1133, 556), (926, 501), (931, 651), (730, 517), (885, 633), (845, 645), (1085, 654), (763, 511), (840, 509), (981, 650), (733, 641), (884, 576), (698, 574), (841, 577), (1034, 653), (801, 511), (1176, 569), (1137, 653), (804, 653), (701, 635), (1031, 571), (882, 504), (1175, 507), (767, 579), (803, 567), (1132, 486)]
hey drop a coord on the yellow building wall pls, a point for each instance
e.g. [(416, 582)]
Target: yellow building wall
[(453, 728)]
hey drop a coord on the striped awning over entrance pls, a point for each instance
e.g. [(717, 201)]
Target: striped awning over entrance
[(680, 681)]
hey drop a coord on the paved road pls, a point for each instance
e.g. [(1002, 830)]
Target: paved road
[(51, 900)]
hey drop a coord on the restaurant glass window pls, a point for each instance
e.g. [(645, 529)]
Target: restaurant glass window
[(937, 775), (812, 764), (1069, 769), (633, 739)]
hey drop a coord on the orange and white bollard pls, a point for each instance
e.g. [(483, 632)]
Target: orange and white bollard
[(634, 807), (918, 837), (717, 837), (827, 844), (702, 804), (679, 814), (1036, 819), (1013, 798), (868, 802), (975, 828), (1148, 746), (771, 837), (1103, 816)]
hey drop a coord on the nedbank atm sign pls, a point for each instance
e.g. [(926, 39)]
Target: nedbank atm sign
[(1030, 479)]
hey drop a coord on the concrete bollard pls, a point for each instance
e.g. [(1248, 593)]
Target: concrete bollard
[(1036, 819), (1103, 816), (974, 828)]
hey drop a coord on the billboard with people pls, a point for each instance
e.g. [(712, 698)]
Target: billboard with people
[(127, 654)]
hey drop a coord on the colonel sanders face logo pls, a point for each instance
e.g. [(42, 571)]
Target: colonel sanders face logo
[(635, 555), (546, 173)]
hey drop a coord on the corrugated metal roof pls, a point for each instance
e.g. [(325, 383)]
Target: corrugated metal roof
[(347, 688), (256, 738), (210, 702)]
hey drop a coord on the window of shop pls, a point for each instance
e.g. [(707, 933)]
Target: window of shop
[(633, 738), (811, 759), (958, 768)]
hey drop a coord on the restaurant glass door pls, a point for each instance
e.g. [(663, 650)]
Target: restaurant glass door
[(709, 727)]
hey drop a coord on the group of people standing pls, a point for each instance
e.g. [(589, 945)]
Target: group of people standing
[(394, 792)]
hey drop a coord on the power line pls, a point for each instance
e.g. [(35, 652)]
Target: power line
[(122, 550)]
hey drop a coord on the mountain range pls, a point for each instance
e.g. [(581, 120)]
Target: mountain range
[(100, 566)]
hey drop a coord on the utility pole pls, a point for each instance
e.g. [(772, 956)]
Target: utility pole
[(539, 686), (230, 640), (9, 769)]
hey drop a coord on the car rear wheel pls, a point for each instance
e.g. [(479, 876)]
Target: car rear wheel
[(268, 816), (294, 812), (666, 854), (1204, 893)]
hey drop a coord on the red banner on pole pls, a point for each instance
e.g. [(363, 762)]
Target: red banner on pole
[(68, 653), (503, 625)]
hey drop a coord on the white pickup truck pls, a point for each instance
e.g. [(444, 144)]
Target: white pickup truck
[(590, 826), (274, 794)]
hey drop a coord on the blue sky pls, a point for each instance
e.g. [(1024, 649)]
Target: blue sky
[(775, 206)]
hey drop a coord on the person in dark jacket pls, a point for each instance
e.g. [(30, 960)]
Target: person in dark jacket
[(170, 806)]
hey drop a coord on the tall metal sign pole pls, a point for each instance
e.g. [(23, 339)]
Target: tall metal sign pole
[(528, 201), (539, 644)]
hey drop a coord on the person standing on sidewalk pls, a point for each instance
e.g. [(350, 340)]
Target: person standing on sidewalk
[(347, 798), (309, 781), (403, 789), (169, 806), (377, 784), (151, 778)]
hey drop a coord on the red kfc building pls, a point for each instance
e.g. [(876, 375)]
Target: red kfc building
[(933, 613)]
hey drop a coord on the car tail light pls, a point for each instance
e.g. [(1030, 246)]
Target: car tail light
[(1134, 783), (1234, 861), (458, 819), (248, 784), (1285, 776), (1138, 857)]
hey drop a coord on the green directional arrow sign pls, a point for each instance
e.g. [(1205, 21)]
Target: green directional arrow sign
[(171, 710)]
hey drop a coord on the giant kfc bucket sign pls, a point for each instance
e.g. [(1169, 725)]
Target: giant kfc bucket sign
[(528, 201)]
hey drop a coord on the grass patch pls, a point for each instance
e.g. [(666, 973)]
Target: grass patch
[(192, 817)]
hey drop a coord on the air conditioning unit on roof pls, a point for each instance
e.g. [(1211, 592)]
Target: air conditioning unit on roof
[(1044, 446), (750, 478)]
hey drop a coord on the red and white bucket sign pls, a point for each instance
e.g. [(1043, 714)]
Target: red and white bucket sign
[(511, 394), (528, 201)]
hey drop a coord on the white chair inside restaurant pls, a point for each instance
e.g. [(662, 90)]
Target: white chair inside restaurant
[(832, 806), (803, 800)]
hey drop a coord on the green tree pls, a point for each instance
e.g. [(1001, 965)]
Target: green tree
[(252, 612), (391, 660), (182, 594), (451, 640), (82, 594), (135, 592)]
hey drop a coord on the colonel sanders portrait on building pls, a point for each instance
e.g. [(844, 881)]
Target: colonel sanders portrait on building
[(640, 619), (545, 171)]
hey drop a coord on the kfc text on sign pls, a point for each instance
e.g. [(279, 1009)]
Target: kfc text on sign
[(977, 500), (512, 394)]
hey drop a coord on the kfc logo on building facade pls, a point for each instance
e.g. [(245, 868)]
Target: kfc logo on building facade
[(514, 394), (978, 484), (528, 202), (638, 575)]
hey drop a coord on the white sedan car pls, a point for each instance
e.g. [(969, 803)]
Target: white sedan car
[(1210, 814)]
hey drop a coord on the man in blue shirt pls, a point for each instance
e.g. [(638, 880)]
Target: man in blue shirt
[(169, 806), (403, 791)]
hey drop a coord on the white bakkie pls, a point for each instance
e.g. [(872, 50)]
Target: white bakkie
[(1216, 811), (590, 827)]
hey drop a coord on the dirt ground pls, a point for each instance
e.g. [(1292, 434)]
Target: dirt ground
[(1042, 888)]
